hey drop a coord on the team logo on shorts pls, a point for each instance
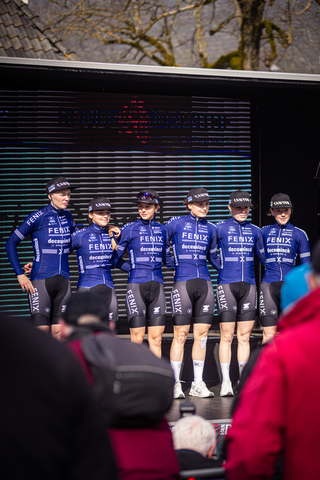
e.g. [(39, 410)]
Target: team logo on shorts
[(261, 305), (176, 302), (206, 308), (47, 310), (221, 297), (246, 306), (273, 312), (189, 310), (156, 310), (35, 305), (131, 303)]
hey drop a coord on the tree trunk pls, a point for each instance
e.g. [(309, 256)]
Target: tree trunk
[(252, 13)]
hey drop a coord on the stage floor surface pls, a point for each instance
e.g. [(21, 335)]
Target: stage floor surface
[(216, 409)]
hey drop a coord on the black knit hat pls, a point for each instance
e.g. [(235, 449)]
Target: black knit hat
[(86, 308)]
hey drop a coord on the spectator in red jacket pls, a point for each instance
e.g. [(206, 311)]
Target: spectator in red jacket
[(278, 408)]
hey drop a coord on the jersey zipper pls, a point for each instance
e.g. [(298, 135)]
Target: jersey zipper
[(278, 257), (151, 236), (61, 251), (242, 254), (196, 245), (102, 254)]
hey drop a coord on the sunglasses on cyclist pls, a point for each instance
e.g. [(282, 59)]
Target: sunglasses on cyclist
[(146, 196)]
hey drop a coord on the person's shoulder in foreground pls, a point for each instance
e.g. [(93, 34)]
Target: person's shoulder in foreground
[(281, 396), (51, 426)]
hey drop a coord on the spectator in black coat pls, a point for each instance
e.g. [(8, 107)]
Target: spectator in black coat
[(50, 425)]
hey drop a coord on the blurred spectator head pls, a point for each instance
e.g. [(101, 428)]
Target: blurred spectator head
[(295, 286), (194, 433), (301, 280), (83, 310)]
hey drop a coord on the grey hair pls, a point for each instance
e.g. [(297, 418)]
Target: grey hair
[(194, 433)]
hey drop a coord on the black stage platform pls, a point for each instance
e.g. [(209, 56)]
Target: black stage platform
[(216, 409)]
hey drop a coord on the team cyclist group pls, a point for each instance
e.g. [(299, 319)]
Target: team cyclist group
[(233, 247)]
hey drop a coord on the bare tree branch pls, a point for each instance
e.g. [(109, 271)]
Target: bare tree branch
[(161, 31)]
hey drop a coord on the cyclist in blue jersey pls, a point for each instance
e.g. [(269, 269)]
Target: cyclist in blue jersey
[(283, 242), (50, 229), (95, 246), (194, 241), (239, 242), (148, 247)]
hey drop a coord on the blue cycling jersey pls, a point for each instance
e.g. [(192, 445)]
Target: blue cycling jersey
[(50, 231), (95, 256), (194, 241), (238, 243), (282, 244), (148, 246)]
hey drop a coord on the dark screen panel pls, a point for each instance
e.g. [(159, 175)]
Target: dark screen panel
[(114, 145)]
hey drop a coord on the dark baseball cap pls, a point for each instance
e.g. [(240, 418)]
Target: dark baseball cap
[(99, 203), (147, 195), (280, 200), (240, 199), (197, 195), (58, 183), (86, 308)]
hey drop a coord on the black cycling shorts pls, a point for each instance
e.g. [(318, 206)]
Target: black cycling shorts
[(146, 301), (269, 303), (236, 302), (48, 302), (193, 299), (109, 297)]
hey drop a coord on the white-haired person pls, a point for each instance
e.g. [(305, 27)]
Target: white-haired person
[(194, 440)]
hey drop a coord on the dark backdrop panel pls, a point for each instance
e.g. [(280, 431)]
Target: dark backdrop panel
[(180, 151), (116, 144), (290, 153)]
